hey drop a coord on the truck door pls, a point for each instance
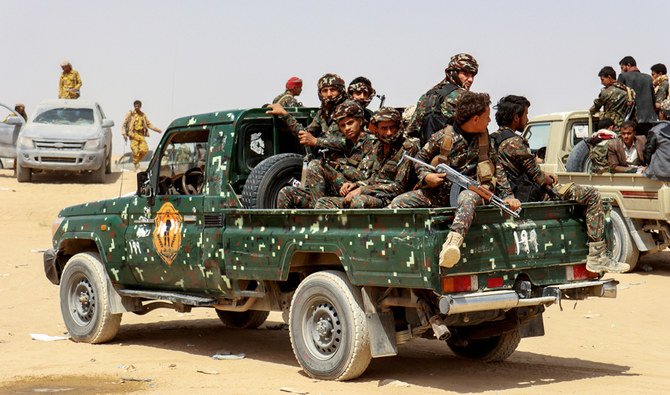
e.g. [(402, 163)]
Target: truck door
[(164, 234), (10, 126)]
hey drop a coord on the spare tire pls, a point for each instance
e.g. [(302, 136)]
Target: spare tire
[(578, 160), (268, 177)]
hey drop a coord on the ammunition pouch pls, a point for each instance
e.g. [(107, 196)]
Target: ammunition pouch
[(486, 172)]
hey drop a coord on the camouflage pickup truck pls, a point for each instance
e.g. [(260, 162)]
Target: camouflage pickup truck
[(352, 284), (641, 206)]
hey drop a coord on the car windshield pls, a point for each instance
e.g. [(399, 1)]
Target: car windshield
[(66, 116)]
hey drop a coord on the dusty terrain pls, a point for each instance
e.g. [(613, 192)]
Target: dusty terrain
[(597, 346)]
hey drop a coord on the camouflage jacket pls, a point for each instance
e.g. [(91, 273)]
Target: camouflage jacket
[(390, 173), (463, 158), (448, 109), (614, 100), (356, 163), (287, 99), (661, 92), (322, 127), (515, 157)]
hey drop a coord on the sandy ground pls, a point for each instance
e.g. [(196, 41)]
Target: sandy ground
[(597, 346)]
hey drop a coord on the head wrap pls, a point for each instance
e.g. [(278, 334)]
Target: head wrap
[(65, 63), (463, 62), (335, 81), (349, 108), (293, 82), (387, 114), (361, 84)]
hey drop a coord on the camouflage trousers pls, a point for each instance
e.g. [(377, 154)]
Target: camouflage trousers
[(138, 146), (420, 198), (589, 197), (465, 211), (360, 201), (318, 183)]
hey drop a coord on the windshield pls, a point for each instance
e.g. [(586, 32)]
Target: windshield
[(66, 116)]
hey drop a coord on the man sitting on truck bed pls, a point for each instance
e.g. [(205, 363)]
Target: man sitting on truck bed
[(530, 183), (626, 153), (465, 146), (390, 173), (329, 177)]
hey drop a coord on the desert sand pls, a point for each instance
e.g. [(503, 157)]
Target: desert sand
[(595, 346)]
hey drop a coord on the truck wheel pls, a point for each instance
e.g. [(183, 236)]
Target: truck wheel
[(492, 349), (84, 301), (250, 319), (268, 177), (578, 160), (328, 328), (99, 175), (624, 249), (108, 162), (23, 174)]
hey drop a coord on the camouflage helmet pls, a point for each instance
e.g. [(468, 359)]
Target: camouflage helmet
[(386, 114), (331, 79), (349, 108), (463, 62)]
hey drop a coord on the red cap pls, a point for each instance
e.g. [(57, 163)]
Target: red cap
[(293, 82)]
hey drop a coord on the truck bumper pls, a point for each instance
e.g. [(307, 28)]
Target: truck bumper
[(56, 159), (50, 266), (509, 299)]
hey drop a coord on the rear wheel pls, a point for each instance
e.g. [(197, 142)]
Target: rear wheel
[(624, 249), (492, 349), (23, 174), (250, 319)]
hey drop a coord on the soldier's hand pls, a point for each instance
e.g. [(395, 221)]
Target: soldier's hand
[(306, 138), (276, 109), (352, 194), (346, 188), (514, 204), (550, 178), (434, 180)]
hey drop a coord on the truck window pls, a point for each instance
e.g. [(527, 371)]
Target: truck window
[(579, 130), (537, 135), (258, 144), (182, 163)]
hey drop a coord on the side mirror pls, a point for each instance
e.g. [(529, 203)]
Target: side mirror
[(107, 123), (13, 120)]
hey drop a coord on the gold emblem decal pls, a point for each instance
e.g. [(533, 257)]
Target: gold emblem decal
[(167, 232)]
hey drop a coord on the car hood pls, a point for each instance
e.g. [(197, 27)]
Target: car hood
[(61, 132)]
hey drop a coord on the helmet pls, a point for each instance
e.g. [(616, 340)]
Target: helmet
[(349, 108), (385, 114), (463, 62)]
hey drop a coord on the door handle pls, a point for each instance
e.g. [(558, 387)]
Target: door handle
[(190, 218)]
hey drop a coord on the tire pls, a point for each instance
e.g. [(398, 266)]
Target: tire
[(492, 349), (108, 162), (328, 328), (84, 301), (578, 160), (98, 176), (23, 174), (268, 177), (250, 319), (624, 248)]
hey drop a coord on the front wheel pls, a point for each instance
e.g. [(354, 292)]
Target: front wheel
[(84, 300), (492, 349), (23, 174), (328, 328)]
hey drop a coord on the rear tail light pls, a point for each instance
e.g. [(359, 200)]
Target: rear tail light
[(494, 282), (578, 272), (459, 283)]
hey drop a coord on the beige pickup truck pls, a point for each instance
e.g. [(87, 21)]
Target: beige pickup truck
[(641, 206)]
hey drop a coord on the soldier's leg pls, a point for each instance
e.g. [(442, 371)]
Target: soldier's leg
[(366, 201), (465, 213), (134, 148), (330, 202), (142, 149), (293, 197), (314, 179), (411, 199)]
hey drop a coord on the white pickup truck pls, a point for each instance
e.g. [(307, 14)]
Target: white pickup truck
[(641, 206)]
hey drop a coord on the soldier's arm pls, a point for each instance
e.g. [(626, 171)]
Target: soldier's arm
[(613, 159), (503, 187), (448, 106), (426, 154), (152, 126), (77, 79), (331, 140), (597, 103), (521, 152), (650, 147), (124, 125), (399, 184)]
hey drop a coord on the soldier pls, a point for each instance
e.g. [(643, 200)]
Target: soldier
[(659, 73), (641, 83), (390, 173), (288, 98), (465, 146), (361, 90), (526, 177), (328, 177), (70, 83), (436, 108), (136, 126), (20, 109), (616, 99)]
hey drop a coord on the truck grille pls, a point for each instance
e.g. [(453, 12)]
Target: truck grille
[(53, 159), (63, 145), (213, 220)]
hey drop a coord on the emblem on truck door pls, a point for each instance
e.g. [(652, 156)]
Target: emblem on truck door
[(167, 232)]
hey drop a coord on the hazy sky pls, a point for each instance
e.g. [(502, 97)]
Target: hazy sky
[(188, 57)]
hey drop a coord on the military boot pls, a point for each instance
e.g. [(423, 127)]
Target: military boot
[(597, 261), (451, 250)]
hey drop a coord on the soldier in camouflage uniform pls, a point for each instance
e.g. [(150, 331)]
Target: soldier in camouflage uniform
[(293, 89), (615, 98), (659, 74), (598, 144), (465, 147), (390, 173), (526, 177), (328, 177), (361, 90), (442, 98)]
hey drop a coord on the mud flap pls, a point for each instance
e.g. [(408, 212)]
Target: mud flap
[(50, 269), (381, 329), (533, 327)]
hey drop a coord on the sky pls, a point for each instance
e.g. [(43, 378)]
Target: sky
[(189, 57)]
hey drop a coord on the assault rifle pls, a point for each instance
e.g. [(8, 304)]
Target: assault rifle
[(467, 183)]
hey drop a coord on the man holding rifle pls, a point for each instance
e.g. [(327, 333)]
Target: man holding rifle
[(466, 148)]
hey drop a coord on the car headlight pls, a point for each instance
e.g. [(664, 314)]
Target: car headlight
[(92, 144), (26, 142)]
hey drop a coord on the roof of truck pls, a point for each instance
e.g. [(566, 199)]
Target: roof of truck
[(230, 116), (560, 116)]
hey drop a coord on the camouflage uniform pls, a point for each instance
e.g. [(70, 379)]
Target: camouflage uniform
[(361, 87), (136, 126), (460, 62), (287, 99), (662, 94), (515, 156), (69, 85), (463, 157), (614, 100)]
